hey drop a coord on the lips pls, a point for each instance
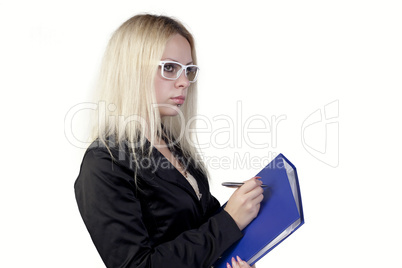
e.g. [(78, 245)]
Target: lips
[(178, 99)]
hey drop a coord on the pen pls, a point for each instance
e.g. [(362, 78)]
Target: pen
[(237, 184)]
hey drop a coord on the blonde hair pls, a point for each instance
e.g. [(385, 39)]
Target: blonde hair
[(126, 88)]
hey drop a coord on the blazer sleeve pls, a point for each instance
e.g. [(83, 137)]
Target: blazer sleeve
[(113, 217)]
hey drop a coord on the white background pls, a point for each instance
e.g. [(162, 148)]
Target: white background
[(287, 58)]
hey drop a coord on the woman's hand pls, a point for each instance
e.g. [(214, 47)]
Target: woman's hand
[(239, 263), (244, 204)]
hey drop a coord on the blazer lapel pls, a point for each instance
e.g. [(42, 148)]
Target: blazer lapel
[(158, 166), (167, 172)]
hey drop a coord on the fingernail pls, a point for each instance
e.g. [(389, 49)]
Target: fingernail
[(228, 265)]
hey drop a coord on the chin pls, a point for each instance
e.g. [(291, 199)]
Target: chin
[(168, 112)]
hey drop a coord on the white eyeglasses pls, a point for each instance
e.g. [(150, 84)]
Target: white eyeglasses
[(172, 70)]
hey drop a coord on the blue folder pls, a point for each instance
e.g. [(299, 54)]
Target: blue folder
[(281, 214)]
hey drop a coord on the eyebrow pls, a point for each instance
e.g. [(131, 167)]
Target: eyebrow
[(191, 62)]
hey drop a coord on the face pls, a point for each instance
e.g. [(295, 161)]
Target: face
[(172, 93)]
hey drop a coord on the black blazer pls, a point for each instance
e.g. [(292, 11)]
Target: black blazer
[(158, 222)]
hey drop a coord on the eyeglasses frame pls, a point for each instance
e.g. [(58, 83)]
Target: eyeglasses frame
[(183, 67)]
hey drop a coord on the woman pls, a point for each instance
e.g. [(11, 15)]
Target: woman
[(142, 190)]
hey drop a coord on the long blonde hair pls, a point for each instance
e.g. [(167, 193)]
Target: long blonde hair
[(126, 88)]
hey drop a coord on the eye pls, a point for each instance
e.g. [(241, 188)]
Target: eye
[(168, 67), (191, 70)]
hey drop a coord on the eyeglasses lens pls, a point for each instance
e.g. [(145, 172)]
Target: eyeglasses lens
[(191, 73)]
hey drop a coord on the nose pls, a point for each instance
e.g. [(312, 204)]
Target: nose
[(182, 81)]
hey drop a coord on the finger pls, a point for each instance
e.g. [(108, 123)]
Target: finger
[(257, 192), (258, 198), (249, 185), (234, 263), (242, 263), (228, 265)]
